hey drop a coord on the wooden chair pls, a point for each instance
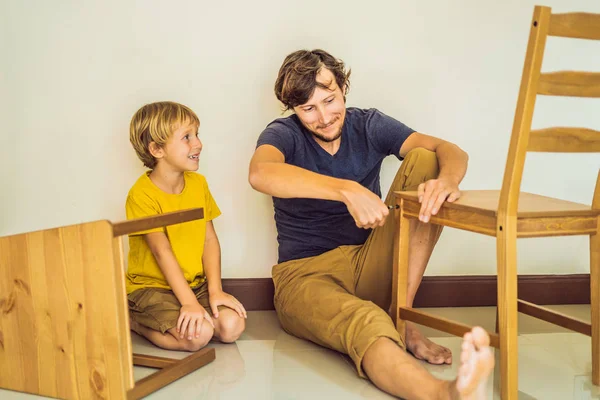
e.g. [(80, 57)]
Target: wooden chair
[(509, 214), (64, 321)]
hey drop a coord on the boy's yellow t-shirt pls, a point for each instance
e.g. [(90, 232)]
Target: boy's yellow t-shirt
[(187, 239)]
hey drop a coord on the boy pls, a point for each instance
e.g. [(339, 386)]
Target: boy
[(176, 300)]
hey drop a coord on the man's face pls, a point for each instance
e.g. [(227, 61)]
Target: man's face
[(323, 114)]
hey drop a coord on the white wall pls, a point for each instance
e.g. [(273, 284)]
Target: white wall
[(73, 73)]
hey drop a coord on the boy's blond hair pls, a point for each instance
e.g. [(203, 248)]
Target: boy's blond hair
[(156, 122)]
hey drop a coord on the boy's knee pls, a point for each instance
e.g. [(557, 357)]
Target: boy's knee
[(197, 343), (231, 327)]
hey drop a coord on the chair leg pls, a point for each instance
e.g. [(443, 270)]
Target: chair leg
[(506, 243), (497, 380), (400, 273), (169, 373), (595, 299)]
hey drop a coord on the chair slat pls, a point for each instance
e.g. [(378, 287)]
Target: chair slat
[(570, 83), (171, 373), (441, 324), (575, 25), (554, 317), (157, 221), (564, 140)]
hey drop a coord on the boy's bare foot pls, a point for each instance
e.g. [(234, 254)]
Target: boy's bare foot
[(477, 361), (424, 349)]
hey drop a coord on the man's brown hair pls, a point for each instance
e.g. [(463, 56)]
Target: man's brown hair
[(297, 77)]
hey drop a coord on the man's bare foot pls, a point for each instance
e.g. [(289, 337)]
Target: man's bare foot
[(424, 349), (477, 361)]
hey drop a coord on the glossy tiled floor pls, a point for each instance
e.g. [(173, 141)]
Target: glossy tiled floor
[(266, 363)]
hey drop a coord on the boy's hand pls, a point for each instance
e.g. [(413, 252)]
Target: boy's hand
[(220, 298), (191, 318)]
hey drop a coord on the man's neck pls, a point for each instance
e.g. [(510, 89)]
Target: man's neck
[(330, 147)]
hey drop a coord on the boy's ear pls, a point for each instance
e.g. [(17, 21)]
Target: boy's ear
[(155, 150)]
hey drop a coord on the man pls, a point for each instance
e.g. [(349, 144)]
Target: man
[(333, 280)]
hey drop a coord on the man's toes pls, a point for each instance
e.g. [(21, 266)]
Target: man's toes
[(429, 356), (488, 357), (464, 370), (468, 337), (480, 338), (437, 360), (467, 347)]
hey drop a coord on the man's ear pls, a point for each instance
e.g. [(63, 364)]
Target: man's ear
[(156, 150)]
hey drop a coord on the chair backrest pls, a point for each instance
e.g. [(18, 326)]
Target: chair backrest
[(563, 83), (64, 322)]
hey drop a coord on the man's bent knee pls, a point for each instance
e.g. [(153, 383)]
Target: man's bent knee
[(419, 165)]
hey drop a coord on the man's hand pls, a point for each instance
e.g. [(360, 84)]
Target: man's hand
[(367, 209), (191, 318), (220, 298), (432, 195)]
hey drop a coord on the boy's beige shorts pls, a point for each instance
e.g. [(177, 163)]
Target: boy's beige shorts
[(158, 309)]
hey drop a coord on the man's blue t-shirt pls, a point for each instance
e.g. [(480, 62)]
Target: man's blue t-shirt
[(309, 227)]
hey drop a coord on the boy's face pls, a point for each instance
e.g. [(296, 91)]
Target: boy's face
[(182, 151), (323, 114)]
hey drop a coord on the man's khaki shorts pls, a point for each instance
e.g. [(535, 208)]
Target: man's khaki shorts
[(340, 299)]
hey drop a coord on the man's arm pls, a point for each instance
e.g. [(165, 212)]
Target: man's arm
[(270, 174), (453, 167)]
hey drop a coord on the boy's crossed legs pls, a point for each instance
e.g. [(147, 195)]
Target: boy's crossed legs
[(154, 314)]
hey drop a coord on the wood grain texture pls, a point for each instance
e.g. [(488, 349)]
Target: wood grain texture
[(145, 360), (441, 324), (62, 337), (400, 268), (575, 25), (564, 140), (554, 317), (570, 83), (556, 226), (142, 224), (486, 202), (595, 300), (123, 313), (171, 373)]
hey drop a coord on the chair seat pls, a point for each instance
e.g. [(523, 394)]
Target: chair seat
[(530, 205), (538, 216)]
